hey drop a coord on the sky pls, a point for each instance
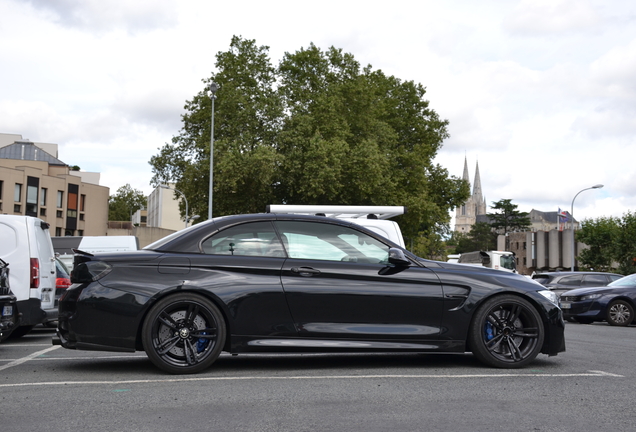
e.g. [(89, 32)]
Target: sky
[(541, 94)]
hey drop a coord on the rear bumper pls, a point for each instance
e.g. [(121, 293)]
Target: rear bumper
[(9, 314)]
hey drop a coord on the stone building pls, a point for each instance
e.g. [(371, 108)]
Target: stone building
[(34, 182)]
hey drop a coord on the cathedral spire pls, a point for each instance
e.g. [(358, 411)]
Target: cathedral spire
[(465, 176), (477, 184)]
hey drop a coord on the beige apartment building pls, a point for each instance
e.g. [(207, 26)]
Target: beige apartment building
[(34, 182)]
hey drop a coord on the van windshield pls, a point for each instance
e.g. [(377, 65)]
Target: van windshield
[(508, 262)]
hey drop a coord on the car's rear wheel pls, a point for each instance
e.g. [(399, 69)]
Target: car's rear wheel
[(507, 332), (620, 313), (183, 333)]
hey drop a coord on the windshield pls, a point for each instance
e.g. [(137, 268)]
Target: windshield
[(626, 282), (507, 262)]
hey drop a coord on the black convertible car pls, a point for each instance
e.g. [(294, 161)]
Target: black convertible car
[(291, 283)]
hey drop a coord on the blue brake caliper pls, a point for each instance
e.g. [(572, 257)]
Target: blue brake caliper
[(488, 331), (202, 343)]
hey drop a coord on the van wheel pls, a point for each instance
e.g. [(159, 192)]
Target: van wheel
[(20, 331)]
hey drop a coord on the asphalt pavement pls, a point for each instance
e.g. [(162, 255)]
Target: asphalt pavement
[(587, 388)]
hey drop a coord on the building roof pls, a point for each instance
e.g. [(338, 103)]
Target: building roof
[(26, 150)]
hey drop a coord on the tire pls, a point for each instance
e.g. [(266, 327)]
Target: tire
[(506, 332), (183, 334), (620, 313)]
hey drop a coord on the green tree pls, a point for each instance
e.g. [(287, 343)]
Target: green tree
[(247, 115), (611, 243), (599, 235), (508, 218), (480, 237), (316, 130), (625, 245), (125, 202)]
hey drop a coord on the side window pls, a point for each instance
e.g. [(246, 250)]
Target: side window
[(614, 278), (594, 280), (324, 241), (571, 281), (250, 239)]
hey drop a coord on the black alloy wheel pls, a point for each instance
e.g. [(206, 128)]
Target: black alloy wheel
[(183, 334), (507, 332), (620, 313)]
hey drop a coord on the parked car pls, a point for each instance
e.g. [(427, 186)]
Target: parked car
[(26, 245), (560, 282), (294, 283), (9, 318), (614, 303), (62, 280)]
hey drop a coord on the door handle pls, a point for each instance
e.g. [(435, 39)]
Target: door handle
[(305, 271)]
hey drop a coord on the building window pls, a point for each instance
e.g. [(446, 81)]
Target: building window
[(71, 205), (58, 214), (32, 200), (82, 202), (43, 197), (80, 233), (81, 216), (1, 187), (42, 211), (17, 208), (58, 232), (60, 199), (17, 194)]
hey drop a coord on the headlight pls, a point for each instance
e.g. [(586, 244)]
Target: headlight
[(591, 296), (550, 295)]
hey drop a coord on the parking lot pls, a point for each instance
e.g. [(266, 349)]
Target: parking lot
[(589, 387)]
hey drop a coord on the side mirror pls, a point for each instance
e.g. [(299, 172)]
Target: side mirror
[(397, 257)]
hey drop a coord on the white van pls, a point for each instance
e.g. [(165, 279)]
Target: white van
[(64, 246), (25, 244), (374, 218)]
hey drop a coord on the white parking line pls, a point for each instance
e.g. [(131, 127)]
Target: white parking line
[(27, 358), (324, 377)]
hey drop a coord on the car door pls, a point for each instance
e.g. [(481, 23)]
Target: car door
[(339, 284), (242, 266)]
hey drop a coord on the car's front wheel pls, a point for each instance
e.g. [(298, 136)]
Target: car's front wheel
[(620, 313), (183, 333), (507, 332)]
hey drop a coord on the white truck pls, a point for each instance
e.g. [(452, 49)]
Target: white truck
[(498, 260), (374, 218)]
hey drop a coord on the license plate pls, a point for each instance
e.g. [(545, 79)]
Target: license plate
[(566, 305), (7, 311)]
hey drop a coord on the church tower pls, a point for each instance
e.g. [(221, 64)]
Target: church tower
[(466, 215)]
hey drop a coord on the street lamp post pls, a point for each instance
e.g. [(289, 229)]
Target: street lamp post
[(213, 89), (598, 186), (184, 199)]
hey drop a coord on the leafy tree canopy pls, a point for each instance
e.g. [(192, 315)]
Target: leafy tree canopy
[(480, 237), (125, 202), (508, 218), (611, 243), (317, 129)]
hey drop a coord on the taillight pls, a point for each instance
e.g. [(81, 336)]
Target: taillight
[(62, 283), (35, 273)]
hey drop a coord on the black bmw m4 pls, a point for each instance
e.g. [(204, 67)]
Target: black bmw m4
[(292, 284)]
